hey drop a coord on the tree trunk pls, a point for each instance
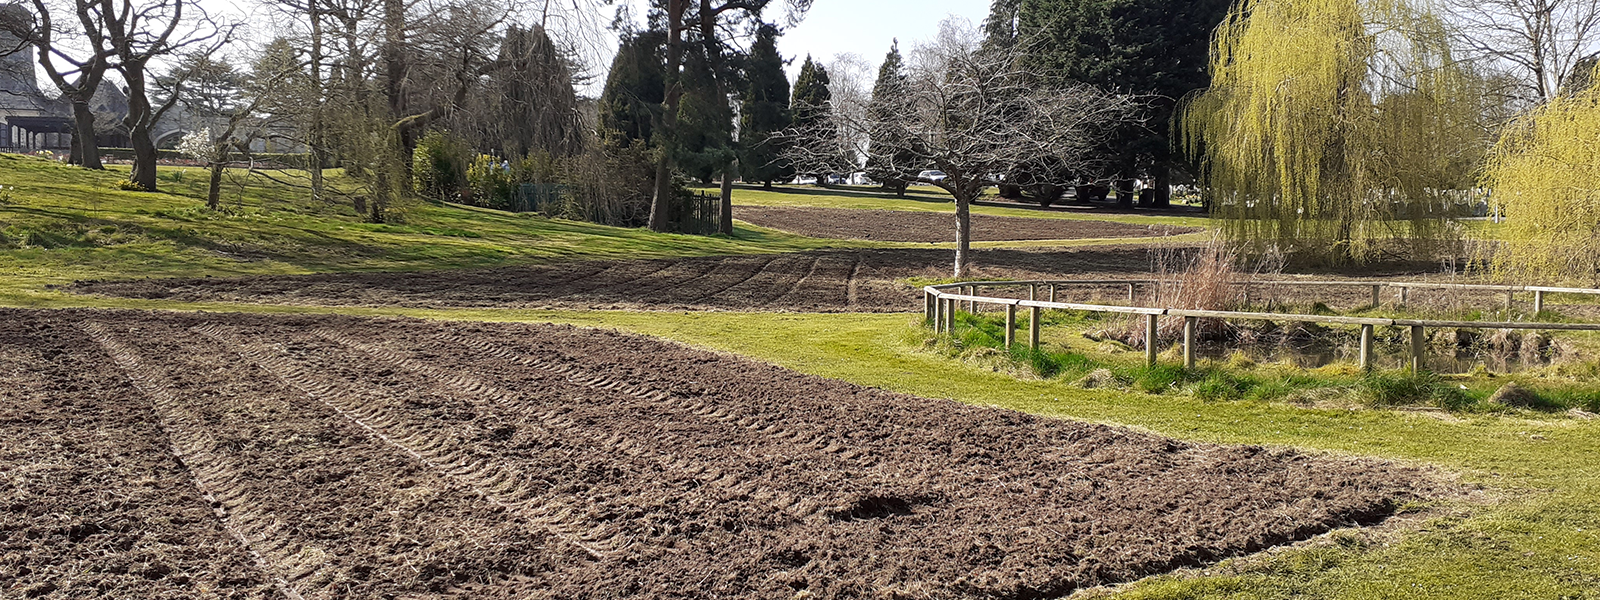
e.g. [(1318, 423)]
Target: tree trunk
[(1163, 183), (316, 149), (214, 190), (963, 237), (144, 158), (315, 158), (141, 117), (767, 185), (85, 148), (725, 215), (661, 203), (1125, 193)]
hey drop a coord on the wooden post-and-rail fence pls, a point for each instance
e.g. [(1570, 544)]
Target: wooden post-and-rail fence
[(941, 304)]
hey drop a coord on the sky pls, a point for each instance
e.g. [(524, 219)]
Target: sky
[(867, 27)]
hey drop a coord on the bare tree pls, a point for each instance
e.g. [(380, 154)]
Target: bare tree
[(1542, 42), (971, 113), (141, 34), (850, 80), (77, 74)]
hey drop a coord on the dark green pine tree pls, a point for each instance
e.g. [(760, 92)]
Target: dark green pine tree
[(704, 137), (765, 112), (1000, 28), (812, 100), (634, 90), (888, 163), (1156, 48)]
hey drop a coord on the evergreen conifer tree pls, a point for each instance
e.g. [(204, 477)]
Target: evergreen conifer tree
[(811, 100), (703, 141), (1154, 48), (886, 166), (765, 111), (634, 90)]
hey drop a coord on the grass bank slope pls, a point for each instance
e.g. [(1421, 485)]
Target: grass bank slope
[(60, 223)]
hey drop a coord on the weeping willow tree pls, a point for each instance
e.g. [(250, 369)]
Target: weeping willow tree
[(1545, 173), (1338, 130)]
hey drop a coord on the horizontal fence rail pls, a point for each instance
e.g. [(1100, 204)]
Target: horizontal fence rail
[(941, 304)]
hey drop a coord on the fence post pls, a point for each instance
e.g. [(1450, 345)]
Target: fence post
[(1405, 297), (1538, 302), (927, 306), (1130, 293), (1150, 326), (1366, 347), (938, 314), (1376, 301), (1033, 289), (1188, 342), (1511, 300), (1033, 327), (1052, 292), (1011, 326), (971, 290), (1418, 354), (950, 316)]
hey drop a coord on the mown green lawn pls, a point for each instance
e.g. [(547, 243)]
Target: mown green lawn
[(61, 223)]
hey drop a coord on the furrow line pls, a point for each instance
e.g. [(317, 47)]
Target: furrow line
[(782, 502), (852, 285), (759, 269), (464, 472), (218, 484), (815, 262), (756, 423), (786, 437)]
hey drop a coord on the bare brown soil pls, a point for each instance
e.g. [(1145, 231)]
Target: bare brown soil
[(931, 227), (829, 281), (237, 456), (835, 281)]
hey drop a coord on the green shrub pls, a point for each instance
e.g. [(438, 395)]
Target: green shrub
[(1221, 386), (439, 167), (1160, 378), (1405, 389), (1048, 364)]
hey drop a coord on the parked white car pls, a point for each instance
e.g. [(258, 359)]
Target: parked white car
[(804, 181), (931, 176)]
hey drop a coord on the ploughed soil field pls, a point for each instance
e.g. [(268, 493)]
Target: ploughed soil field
[(931, 227), (829, 281), (237, 456)]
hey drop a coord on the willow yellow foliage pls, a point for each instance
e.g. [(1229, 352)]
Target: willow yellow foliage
[(1545, 173), (1336, 129)]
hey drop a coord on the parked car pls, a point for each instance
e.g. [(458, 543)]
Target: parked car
[(931, 176), (803, 180), (861, 179)]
